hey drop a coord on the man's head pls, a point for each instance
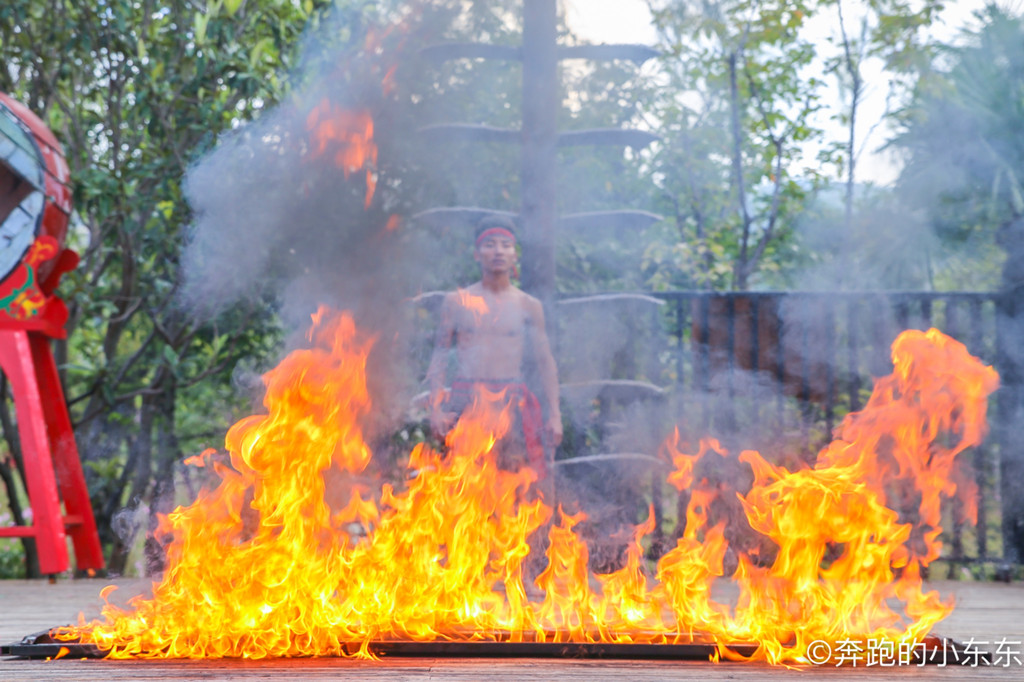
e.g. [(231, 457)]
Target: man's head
[(495, 225), (495, 246)]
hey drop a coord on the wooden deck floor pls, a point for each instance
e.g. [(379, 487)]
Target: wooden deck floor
[(985, 612)]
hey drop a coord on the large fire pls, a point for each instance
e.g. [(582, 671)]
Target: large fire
[(262, 565)]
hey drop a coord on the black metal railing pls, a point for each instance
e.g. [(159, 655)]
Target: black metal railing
[(821, 347), (772, 371)]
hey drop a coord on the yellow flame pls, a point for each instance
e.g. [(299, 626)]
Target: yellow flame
[(472, 303), (263, 566)]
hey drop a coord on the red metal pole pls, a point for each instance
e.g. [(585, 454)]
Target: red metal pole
[(47, 528), (79, 522)]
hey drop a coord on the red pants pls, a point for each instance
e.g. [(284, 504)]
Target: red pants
[(529, 420)]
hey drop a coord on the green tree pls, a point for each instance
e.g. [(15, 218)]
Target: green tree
[(734, 104), (965, 150), (887, 31), (136, 91)]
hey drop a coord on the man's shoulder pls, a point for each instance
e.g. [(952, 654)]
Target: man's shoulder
[(530, 304), (455, 295), (526, 298), (474, 288)]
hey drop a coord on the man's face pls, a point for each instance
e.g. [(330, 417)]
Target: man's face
[(496, 253)]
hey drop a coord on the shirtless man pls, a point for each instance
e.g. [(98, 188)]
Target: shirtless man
[(495, 326)]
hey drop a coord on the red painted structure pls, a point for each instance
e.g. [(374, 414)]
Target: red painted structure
[(35, 207)]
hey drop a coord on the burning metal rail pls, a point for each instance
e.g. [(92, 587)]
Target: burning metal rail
[(934, 650), (43, 645)]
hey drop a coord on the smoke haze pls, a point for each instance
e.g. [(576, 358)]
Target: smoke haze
[(275, 217)]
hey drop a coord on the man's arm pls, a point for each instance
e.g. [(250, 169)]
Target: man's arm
[(548, 372), (439, 419)]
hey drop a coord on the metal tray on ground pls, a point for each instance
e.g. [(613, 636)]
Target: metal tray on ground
[(42, 645)]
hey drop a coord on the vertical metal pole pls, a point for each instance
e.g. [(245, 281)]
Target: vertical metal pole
[(780, 366), (880, 364), (902, 317), (831, 362), (853, 362), (680, 333), (658, 508), (805, 365), (1010, 410), (953, 327), (807, 410), (540, 136), (755, 353), (729, 414), (704, 357), (986, 488)]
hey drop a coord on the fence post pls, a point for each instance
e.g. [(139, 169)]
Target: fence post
[(1009, 413)]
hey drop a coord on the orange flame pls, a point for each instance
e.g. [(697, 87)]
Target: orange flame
[(348, 135), (472, 303), (263, 566)]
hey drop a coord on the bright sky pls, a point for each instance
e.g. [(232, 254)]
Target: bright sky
[(610, 21), (629, 21)]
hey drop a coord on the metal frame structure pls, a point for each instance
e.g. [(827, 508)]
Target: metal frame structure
[(540, 139), (33, 164)]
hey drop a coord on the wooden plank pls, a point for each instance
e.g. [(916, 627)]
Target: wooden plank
[(985, 611), (525, 670), (29, 606)]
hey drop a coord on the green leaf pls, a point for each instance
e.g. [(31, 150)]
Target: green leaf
[(263, 46), (170, 356), (232, 6), (200, 21)]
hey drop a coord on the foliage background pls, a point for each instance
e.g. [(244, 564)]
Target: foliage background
[(138, 91)]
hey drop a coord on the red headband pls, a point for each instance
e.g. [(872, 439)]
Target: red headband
[(494, 232)]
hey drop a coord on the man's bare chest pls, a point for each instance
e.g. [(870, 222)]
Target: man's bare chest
[(498, 319)]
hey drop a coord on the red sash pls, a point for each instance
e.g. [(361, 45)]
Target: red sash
[(530, 413)]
